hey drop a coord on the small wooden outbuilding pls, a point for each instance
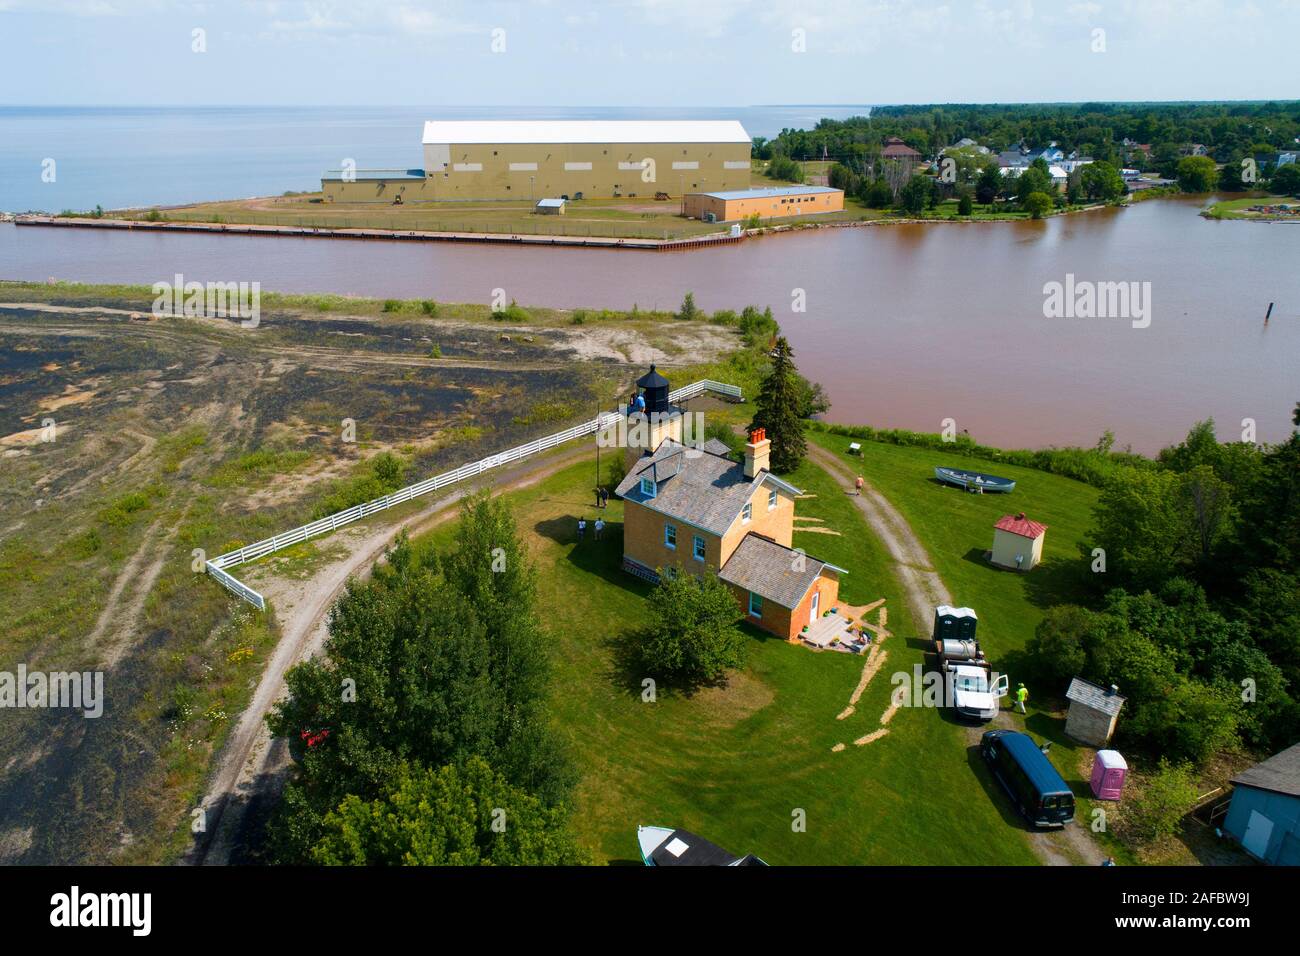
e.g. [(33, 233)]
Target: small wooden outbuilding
[(1018, 542), (550, 207), (1093, 713)]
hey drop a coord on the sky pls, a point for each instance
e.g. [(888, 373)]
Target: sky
[(643, 52)]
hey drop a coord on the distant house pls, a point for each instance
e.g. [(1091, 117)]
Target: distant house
[(1050, 154), (696, 510), (1093, 712), (550, 207), (967, 143), (1264, 815), (1059, 176), (1013, 159), (1193, 149), (896, 149), (1018, 542), (1284, 159)]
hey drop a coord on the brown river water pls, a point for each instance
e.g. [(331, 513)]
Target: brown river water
[(904, 325)]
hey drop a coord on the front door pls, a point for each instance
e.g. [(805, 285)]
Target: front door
[(812, 614)]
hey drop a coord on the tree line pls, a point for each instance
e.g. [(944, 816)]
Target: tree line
[(1196, 615)]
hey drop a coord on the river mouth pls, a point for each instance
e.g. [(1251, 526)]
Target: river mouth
[(919, 326)]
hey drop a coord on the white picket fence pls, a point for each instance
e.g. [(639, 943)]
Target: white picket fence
[(216, 567)]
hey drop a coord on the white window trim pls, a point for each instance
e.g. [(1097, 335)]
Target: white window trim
[(699, 547), (747, 513), (752, 596), (650, 491), (771, 499), (671, 545)]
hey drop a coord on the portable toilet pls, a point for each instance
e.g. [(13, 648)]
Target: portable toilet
[(954, 623), (1108, 773)]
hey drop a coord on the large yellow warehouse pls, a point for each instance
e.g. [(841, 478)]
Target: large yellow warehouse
[(536, 159)]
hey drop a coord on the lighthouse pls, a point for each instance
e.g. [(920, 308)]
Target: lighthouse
[(651, 419)]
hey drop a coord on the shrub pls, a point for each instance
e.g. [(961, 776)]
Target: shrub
[(429, 307), (392, 305), (692, 636), (1037, 205), (1156, 810), (511, 313), (689, 310)]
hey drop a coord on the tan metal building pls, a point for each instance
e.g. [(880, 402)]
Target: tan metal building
[(773, 202), (534, 159)]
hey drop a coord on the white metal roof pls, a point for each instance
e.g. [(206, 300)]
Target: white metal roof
[(461, 132)]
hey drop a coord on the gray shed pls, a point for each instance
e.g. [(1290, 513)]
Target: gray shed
[(1093, 712)]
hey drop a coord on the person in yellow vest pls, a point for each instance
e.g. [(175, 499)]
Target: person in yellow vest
[(1022, 695)]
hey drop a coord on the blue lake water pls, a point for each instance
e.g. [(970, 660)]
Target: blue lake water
[(116, 157)]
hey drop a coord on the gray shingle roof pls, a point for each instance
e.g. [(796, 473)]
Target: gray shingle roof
[(761, 565), (715, 446), (1098, 698), (1279, 773), (693, 485)]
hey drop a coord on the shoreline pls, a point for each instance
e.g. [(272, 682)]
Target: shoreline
[(506, 238)]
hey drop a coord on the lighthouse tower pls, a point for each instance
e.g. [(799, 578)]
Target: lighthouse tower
[(660, 419)]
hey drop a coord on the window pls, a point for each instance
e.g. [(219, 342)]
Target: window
[(698, 548), (746, 513), (771, 500), (670, 536), (755, 605), (648, 487)]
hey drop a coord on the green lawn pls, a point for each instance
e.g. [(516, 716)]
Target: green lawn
[(1240, 208), (956, 528), (735, 764)]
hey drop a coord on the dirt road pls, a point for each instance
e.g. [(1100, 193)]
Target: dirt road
[(249, 764), (925, 590)]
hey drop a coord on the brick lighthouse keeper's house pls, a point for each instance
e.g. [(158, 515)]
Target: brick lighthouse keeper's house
[(694, 509)]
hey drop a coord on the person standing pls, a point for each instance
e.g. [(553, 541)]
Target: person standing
[(600, 526), (604, 497), (857, 485), (1022, 695), (598, 497), (582, 527)]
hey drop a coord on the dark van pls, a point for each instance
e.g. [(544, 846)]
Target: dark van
[(1029, 777)]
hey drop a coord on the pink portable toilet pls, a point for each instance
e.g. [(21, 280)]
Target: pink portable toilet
[(1108, 773)]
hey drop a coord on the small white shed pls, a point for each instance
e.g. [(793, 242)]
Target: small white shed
[(1017, 542), (550, 207)]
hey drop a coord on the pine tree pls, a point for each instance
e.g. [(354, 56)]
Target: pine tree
[(778, 410)]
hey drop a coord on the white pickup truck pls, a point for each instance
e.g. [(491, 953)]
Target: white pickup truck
[(971, 689)]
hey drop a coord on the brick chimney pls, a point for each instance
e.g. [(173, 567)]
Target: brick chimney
[(757, 451)]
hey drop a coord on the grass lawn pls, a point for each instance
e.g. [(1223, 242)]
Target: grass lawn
[(638, 218), (1240, 208), (956, 528), (736, 763)]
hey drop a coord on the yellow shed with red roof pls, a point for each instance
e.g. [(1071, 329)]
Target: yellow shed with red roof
[(1018, 542)]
